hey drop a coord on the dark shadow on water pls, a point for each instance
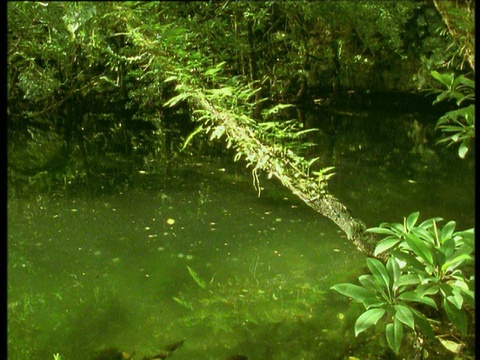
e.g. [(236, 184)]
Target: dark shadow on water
[(90, 327)]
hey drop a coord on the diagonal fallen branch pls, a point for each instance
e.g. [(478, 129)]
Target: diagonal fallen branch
[(292, 170), (284, 167)]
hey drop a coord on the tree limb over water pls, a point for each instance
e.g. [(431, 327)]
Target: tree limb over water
[(292, 170)]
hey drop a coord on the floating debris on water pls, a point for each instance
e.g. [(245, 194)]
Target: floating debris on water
[(170, 221)]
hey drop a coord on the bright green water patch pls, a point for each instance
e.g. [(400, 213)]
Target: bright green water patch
[(89, 273), (84, 274)]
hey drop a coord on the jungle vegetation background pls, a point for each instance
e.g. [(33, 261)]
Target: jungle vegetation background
[(90, 84), (86, 81)]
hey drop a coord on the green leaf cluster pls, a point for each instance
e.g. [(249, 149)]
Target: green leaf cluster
[(424, 267), (459, 125)]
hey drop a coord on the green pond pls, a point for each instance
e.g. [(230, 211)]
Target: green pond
[(199, 256)]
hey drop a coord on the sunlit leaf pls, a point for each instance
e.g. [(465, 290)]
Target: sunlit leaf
[(357, 293), (424, 234), (378, 270), (451, 346), (367, 319), (420, 248), (447, 231), (367, 281), (394, 334), (405, 315), (428, 289), (456, 298), (176, 99), (170, 78), (385, 245), (462, 150), (455, 262), (393, 269), (381, 230), (218, 132), (412, 220), (415, 297), (407, 279)]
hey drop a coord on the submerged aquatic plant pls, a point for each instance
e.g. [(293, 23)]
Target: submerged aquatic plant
[(240, 302)]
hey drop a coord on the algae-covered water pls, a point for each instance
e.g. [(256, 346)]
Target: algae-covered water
[(199, 257)]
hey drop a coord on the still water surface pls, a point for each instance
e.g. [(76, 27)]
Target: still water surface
[(200, 257)]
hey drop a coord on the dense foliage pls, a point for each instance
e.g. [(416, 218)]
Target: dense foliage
[(426, 265), (101, 92), (86, 87)]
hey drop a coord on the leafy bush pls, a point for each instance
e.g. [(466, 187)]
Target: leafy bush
[(423, 267), (459, 123)]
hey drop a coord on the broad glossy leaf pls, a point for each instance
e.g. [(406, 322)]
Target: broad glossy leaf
[(407, 279), (451, 345), (415, 297), (463, 149), (429, 222), (405, 315), (428, 289), (468, 296), (456, 298), (398, 228), (357, 293), (424, 234), (367, 319), (420, 248), (379, 271), (373, 302), (455, 262), (445, 79), (381, 230), (393, 269), (368, 282), (412, 220), (447, 231), (448, 248), (394, 334), (456, 316), (386, 244)]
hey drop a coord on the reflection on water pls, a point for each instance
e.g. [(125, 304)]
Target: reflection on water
[(86, 274)]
